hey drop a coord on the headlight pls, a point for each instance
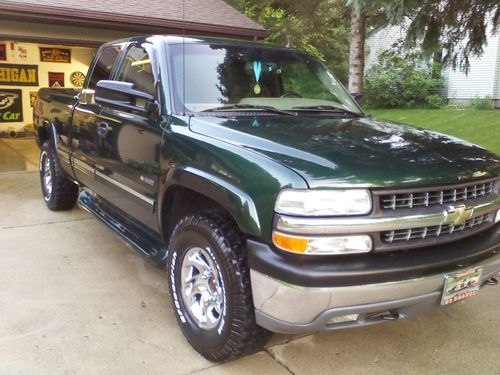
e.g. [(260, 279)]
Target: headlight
[(324, 202)]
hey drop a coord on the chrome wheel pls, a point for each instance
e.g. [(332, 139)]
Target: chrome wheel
[(202, 288), (45, 168)]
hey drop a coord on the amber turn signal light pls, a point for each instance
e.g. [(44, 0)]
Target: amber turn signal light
[(290, 243)]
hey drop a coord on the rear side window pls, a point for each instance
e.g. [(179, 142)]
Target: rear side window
[(137, 69), (104, 65)]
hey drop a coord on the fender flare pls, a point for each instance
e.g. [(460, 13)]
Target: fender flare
[(234, 200), (50, 130)]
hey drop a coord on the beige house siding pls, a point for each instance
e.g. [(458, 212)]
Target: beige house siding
[(480, 82), (379, 41), (496, 94), (483, 79)]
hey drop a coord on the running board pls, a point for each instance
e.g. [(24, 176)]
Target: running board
[(137, 239)]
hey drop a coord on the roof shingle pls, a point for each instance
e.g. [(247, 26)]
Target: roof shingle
[(210, 12)]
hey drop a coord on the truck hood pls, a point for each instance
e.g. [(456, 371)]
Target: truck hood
[(333, 152)]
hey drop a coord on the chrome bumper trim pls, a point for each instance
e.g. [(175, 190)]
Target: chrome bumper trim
[(348, 225), (297, 306)]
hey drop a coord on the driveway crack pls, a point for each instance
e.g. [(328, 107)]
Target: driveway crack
[(46, 223), (279, 361)]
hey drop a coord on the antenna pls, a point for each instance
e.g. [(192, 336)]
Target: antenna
[(184, 56)]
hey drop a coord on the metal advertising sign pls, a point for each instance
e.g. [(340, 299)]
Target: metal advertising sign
[(58, 55), (11, 105), (56, 79), (18, 75), (33, 96), (3, 52)]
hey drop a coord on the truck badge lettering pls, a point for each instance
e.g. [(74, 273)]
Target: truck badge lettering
[(147, 180)]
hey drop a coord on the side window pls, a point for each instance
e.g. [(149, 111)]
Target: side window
[(104, 65), (137, 69), (102, 70)]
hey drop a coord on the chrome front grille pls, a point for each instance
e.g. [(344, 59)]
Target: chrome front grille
[(442, 230), (435, 197)]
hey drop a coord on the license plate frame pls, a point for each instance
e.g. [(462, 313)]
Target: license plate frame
[(461, 285)]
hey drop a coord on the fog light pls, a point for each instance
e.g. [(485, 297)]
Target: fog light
[(497, 217), (335, 245), (343, 319)]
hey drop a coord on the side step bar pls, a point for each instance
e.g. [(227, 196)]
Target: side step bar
[(141, 242)]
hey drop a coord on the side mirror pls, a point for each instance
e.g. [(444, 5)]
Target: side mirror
[(357, 96), (123, 95)]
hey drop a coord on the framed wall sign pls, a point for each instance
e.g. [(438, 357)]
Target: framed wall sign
[(33, 96), (18, 75), (3, 52), (11, 105), (58, 55), (56, 79)]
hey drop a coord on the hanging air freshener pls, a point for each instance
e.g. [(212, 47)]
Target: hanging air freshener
[(257, 70)]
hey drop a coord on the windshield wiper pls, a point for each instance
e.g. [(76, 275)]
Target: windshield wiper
[(267, 108), (328, 108)]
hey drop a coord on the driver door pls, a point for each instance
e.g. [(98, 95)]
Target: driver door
[(128, 146)]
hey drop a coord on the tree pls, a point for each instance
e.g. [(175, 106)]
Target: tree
[(362, 19), (456, 28), (318, 27), (357, 51)]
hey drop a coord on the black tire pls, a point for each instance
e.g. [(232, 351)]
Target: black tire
[(61, 193), (236, 333)]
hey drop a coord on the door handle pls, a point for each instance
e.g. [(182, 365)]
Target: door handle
[(102, 128)]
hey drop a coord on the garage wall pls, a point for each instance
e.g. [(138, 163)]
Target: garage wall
[(29, 53)]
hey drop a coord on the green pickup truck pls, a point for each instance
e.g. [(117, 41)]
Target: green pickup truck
[(272, 200)]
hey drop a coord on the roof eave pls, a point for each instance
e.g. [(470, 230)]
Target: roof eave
[(86, 18)]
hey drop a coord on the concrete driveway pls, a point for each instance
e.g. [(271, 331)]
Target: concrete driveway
[(75, 300)]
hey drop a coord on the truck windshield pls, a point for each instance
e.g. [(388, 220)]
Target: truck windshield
[(236, 78)]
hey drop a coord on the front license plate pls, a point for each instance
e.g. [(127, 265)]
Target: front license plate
[(461, 285)]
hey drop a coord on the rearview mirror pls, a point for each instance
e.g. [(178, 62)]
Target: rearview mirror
[(123, 95), (358, 97)]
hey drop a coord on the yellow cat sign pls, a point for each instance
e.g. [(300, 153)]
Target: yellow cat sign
[(11, 105)]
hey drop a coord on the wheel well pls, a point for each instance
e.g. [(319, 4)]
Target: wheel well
[(180, 202)]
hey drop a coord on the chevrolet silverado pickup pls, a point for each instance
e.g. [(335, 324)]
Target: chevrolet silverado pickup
[(273, 202)]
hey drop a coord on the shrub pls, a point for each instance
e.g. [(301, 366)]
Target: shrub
[(485, 103), (435, 101), (402, 80)]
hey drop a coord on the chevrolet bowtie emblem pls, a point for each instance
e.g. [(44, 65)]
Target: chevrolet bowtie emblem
[(458, 215)]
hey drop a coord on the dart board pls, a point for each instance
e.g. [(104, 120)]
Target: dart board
[(77, 79)]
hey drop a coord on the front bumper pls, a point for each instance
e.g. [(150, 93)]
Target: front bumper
[(291, 309), (300, 297)]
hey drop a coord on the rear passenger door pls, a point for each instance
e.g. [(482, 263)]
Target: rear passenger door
[(85, 142), (128, 144)]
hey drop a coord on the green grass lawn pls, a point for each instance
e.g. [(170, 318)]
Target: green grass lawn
[(476, 126)]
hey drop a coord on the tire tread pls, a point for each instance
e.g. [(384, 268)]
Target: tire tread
[(64, 191), (245, 337)]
